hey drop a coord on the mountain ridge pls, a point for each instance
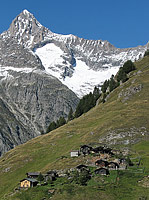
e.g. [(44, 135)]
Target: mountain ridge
[(92, 55)]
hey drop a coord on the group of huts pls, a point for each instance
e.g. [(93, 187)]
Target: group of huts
[(103, 165)]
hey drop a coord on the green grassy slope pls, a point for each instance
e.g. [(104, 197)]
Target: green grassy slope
[(115, 116)]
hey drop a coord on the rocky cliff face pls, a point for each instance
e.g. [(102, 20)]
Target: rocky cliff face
[(29, 97)]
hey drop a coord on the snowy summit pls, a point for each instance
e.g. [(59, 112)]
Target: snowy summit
[(78, 63)]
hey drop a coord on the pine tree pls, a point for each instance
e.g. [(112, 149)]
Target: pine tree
[(61, 121), (70, 115), (105, 86), (121, 75), (96, 94), (128, 66), (87, 102), (79, 109), (112, 83), (51, 127)]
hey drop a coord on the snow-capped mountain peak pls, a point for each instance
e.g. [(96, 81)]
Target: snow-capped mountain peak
[(26, 12), (27, 30), (78, 63)]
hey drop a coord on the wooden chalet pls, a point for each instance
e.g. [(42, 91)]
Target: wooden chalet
[(28, 182), (85, 149), (81, 168)]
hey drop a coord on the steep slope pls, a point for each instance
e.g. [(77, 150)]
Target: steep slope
[(121, 122), (30, 98), (78, 63)]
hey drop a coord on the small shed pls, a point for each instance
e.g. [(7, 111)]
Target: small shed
[(102, 171), (74, 153), (85, 149), (28, 182), (32, 174)]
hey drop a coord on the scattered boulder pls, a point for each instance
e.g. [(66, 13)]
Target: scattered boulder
[(126, 94)]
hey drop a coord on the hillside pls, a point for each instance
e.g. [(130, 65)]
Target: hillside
[(121, 122)]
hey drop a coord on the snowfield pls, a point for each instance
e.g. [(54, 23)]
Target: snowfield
[(83, 79), (50, 56)]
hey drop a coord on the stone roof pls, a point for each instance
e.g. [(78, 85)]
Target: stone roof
[(33, 173), (29, 179)]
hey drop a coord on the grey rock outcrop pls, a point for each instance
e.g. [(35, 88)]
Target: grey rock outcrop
[(129, 92)]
